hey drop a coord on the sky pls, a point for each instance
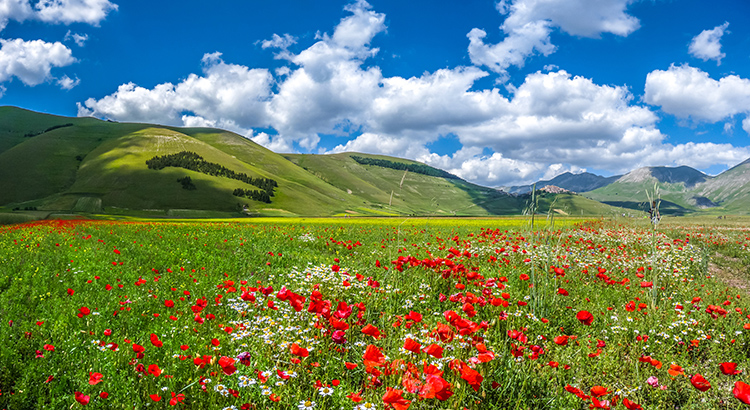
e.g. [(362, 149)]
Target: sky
[(499, 93)]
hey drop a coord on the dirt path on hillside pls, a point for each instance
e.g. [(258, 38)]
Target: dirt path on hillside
[(725, 269)]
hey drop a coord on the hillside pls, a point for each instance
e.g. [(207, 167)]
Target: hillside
[(58, 164)]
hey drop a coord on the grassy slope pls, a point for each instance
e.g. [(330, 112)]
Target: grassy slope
[(96, 165), (299, 191), (418, 194), (675, 198)]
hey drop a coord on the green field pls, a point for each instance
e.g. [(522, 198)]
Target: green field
[(418, 313)]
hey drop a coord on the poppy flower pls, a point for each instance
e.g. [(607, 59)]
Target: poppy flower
[(560, 340), (299, 351), (350, 366), (95, 378), (563, 292), (700, 382), (339, 337), (742, 391), (371, 331), (471, 376), (154, 397), (155, 340), (412, 346), (394, 398), (585, 317), (103, 395), (675, 370), (373, 356), (598, 391), (729, 368), (154, 369), (631, 405), (82, 398), (434, 350)]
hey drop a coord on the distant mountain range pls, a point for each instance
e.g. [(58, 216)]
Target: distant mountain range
[(59, 164), (682, 189)]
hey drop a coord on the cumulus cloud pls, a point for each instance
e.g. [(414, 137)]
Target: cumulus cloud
[(227, 94), (31, 61), (55, 11), (529, 23), (689, 92), (707, 44)]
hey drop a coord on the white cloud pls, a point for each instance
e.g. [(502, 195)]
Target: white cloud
[(55, 11), (688, 92), (67, 83), (79, 39), (530, 23), (31, 61), (227, 94), (707, 44), (73, 11)]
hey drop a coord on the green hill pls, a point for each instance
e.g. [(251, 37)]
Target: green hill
[(84, 165)]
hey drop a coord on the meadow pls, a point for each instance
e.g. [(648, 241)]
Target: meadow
[(375, 314)]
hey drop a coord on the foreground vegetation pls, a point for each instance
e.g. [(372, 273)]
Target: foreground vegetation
[(416, 313)]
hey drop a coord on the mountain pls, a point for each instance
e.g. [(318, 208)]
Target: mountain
[(54, 164), (682, 189), (582, 182), (59, 164)]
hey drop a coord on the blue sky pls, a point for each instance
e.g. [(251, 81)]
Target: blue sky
[(499, 93)]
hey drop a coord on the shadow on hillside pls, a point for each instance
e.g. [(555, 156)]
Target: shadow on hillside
[(491, 200), (665, 208)]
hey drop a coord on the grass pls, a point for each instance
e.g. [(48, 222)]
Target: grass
[(77, 298)]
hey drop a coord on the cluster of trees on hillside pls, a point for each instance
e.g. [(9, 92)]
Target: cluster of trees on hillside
[(416, 168), (52, 128), (255, 195), (194, 162)]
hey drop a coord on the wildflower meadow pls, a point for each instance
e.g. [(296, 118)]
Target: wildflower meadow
[(372, 314)]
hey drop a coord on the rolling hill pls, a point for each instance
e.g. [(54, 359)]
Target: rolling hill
[(85, 165), (65, 164)]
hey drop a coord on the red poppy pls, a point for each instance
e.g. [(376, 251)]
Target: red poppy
[(585, 317), (371, 331), (742, 392), (95, 378), (578, 392), (393, 397), (412, 346), (82, 398), (417, 317), (154, 369), (675, 370), (729, 368), (299, 351), (560, 340), (598, 391), (373, 356), (561, 291), (104, 395), (471, 376), (154, 397), (155, 340), (350, 366), (700, 382), (434, 350), (169, 303), (631, 405)]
